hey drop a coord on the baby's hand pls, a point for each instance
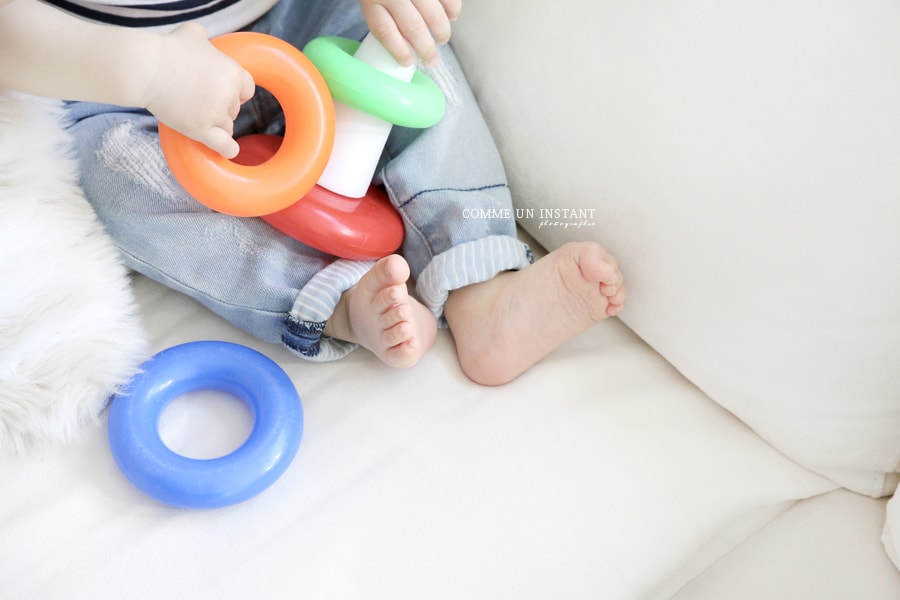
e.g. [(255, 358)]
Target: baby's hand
[(423, 24), (197, 90)]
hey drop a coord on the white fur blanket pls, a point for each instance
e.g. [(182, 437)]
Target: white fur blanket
[(69, 331)]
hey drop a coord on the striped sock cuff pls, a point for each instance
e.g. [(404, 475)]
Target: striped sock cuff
[(313, 307), (465, 264)]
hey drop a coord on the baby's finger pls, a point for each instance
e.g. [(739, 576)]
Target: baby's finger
[(419, 37), (436, 19), (416, 31), (384, 28), (234, 109), (221, 141), (453, 8), (248, 87)]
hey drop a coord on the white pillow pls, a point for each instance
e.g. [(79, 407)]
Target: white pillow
[(742, 162)]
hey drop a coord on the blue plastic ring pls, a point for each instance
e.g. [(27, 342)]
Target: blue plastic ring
[(185, 482)]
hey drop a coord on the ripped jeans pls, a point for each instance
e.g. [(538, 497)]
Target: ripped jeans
[(264, 282)]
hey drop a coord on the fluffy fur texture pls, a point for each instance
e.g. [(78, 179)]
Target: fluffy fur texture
[(69, 332)]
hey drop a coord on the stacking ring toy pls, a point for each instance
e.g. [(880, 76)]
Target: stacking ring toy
[(366, 228), (177, 480), (417, 104), (245, 191)]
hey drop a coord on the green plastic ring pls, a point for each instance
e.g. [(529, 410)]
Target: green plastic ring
[(418, 104)]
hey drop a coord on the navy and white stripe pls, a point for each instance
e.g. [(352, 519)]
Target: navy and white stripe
[(313, 307), (219, 15)]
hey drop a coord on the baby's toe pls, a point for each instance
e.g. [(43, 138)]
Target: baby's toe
[(398, 334), (396, 313), (404, 354), (609, 289), (617, 300), (389, 297), (387, 272)]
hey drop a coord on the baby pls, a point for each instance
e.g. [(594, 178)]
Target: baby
[(125, 69)]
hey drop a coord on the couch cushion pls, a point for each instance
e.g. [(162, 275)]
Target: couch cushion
[(741, 160), (834, 536), (600, 473)]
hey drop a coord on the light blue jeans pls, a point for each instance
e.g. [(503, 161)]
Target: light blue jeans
[(264, 282)]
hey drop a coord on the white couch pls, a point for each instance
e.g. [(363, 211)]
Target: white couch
[(735, 434)]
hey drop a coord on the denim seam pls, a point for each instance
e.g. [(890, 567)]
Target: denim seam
[(198, 291), (409, 226), (464, 190)]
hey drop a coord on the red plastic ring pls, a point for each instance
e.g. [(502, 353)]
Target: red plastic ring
[(364, 228)]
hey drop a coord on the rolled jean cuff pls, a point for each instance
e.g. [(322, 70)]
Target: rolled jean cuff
[(313, 307), (468, 263)]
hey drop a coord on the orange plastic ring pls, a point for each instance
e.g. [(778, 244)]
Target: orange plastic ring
[(252, 191)]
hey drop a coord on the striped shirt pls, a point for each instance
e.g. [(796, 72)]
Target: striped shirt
[(218, 16)]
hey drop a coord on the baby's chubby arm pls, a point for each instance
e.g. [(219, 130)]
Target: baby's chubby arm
[(180, 77), (422, 24)]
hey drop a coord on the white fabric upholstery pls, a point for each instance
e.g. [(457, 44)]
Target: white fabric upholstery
[(717, 145), (600, 473), (741, 160)]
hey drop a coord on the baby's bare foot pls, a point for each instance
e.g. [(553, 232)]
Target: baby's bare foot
[(379, 314), (507, 324)]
